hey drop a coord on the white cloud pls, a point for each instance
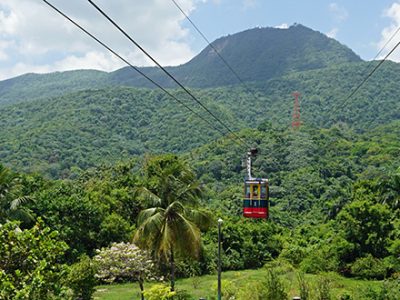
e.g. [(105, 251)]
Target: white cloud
[(282, 26), (34, 38), (332, 33), (339, 12), (394, 14)]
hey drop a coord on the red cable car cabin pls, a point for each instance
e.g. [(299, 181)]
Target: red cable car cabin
[(256, 198)]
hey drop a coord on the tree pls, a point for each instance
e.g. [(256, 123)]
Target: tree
[(124, 261), (170, 228), (11, 200), (81, 278), (367, 226), (29, 265)]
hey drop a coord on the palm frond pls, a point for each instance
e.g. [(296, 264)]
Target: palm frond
[(146, 214), (24, 215), (202, 218), (148, 232), (165, 242), (189, 193), (150, 198), (16, 203), (175, 207), (187, 239)]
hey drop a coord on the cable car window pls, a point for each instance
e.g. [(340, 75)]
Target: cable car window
[(247, 191), (263, 191)]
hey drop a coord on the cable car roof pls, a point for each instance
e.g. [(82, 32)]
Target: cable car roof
[(256, 180)]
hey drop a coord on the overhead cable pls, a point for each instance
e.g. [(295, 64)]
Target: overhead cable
[(194, 98), (133, 67), (370, 74), (215, 50)]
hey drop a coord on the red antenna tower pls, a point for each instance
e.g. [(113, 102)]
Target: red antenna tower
[(296, 111)]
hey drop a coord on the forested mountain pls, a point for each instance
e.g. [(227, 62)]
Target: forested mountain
[(257, 54), (79, 119), (82, 129)]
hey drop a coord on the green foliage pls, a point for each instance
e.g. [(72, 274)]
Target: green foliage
[(280, 266), (182, 295), (12, 200), (115, 228), (366, 225), (245, 244), (29, 265), (304, 287), (228, 289), (65, 208), (323, 288), (389, 290), (81, 278), (92, 211), (159, 292), (253, 290), (30, 86), (275, 289), (369, 268)]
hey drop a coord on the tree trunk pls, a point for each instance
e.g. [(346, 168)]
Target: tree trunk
[(172, 271), (141, 286)]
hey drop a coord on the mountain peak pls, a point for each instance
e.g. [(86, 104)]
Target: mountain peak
[(262, 53)]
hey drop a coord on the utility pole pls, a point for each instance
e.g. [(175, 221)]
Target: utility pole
[(219, 258)]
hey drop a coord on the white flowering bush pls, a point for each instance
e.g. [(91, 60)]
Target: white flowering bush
[(125, 262)]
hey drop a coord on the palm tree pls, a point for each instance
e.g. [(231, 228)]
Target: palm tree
[(11, 203), (171, 227)]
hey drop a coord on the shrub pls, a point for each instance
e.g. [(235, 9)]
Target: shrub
[(124, 262), (304, 287), (252, 290), (346, 296), (324, 289), (228, 289), (159, 292), (368, 267), (274, 288), (280, 266), (182, 295), (81, 278), (318, 261)]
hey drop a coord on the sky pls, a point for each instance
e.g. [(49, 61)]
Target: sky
[(33, 38)]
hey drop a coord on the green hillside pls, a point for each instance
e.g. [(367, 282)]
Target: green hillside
[(32, 86), (83, 129), (86, 128)]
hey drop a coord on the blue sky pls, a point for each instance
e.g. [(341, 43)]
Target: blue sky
[(35, 39)]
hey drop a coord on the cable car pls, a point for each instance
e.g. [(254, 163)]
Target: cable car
[(256, 193)]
